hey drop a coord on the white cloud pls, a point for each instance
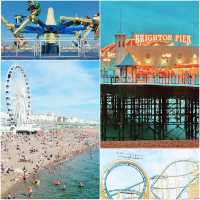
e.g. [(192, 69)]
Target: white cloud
[(63, 87)]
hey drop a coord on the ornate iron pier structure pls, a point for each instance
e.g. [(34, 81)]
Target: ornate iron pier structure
[(144, 111)]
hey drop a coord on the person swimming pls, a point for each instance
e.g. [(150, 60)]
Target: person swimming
[(30, 191), (36, 182), (56, 182), (64, 187), (81, 184)]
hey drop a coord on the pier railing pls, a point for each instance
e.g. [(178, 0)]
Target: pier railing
[(171, 80), (68, 48)]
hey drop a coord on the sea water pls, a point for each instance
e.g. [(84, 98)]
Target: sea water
[(83, 168)]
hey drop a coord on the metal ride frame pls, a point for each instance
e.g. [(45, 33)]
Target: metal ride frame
[(130, 190), (191, 187), (13, 116), (78, 27), (180, 188)]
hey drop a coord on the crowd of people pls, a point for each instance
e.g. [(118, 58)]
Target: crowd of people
[(24, 155)]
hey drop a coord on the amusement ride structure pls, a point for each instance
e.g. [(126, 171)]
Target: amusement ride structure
[(18, 100), (179, 180), (49, 31)]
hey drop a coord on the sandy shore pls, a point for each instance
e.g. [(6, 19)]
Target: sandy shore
[(42, 150)]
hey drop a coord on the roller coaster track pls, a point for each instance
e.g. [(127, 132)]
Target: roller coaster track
[(187, 186), (166, 177), (154, 179), (132, 164)]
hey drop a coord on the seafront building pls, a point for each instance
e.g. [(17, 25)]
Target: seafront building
[(48, 120), (151, 58)]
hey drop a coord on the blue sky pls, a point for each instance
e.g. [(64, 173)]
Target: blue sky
[(153, 162), (69, 88), (61, 8), (149, 17)]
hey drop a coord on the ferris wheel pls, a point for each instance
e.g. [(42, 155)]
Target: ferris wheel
[(18, 99)]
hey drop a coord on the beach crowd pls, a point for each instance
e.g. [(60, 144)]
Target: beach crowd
[(23, 155)]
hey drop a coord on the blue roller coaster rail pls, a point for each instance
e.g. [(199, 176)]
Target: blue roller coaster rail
[(128, 190), (153, 188)]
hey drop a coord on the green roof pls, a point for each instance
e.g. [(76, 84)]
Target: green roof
[(128, 61)]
